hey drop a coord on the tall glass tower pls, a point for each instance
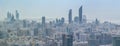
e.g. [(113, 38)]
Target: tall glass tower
[(70, 16), (80, 14)]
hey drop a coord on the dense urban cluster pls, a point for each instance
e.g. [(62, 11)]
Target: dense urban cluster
[(74, 32)]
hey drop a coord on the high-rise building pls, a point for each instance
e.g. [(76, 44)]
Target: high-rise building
[(24, 23), (93, 40), (36, 32), (17, 15), (9, 15), (84, 20), (116, 40), (76, 19), (62, 20), (80, 14), (70, 16), (12, 18), (67, 40), (43, 21), (1, 35), (97, 21)]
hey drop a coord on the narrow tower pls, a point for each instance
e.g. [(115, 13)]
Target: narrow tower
[(43, 21), (17, 15), (70, 16), (80, 14)]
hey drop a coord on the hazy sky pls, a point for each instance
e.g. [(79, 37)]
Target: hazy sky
[(104, 10)]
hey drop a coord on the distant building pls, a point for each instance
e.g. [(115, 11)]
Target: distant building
[(17, 15), (80, 14), (93, 40), (76, 19), (62, 20), (67, 40), (1, 35), (43, 21), (70, 16), (12, 18), (24, 23), (97, 21), (116, 40), (84, 20), (9, 15), (105, 38), (36, 32)]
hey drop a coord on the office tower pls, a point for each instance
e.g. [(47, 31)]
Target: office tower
[(69, 30), (105, 38), (9, 15), (93, 40), (116, 40), (76, 19), (57, 20), (17, 15), (1, 35), (96, 21), (62, 20), (36, 31), (67, 40), (43, 21), (84, 20), (70, 16), (12, 18), (24, 23), (78, 36), (80, 14)]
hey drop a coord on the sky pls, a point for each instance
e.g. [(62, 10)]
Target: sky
[(104, 10)]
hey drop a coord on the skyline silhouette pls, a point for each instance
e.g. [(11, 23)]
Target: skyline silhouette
[(104, 10)]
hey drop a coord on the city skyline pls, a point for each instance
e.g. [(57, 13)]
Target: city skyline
[(59, 23), (106, 10)]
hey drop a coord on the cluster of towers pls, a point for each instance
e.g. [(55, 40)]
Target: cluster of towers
[(10, 16), (79, 19)]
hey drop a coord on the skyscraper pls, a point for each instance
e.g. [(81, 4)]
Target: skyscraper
[(76, 19), (9, 15), (70, 16), (62, 20), (84, 20), (12, 18), (93, 40), (97, 21), (17, 15), (43, 21), (116, 40), (36, 31), (67, 40), (80, 14)]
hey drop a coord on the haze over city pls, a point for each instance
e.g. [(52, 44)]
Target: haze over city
[(59, 23), (104, 10)]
